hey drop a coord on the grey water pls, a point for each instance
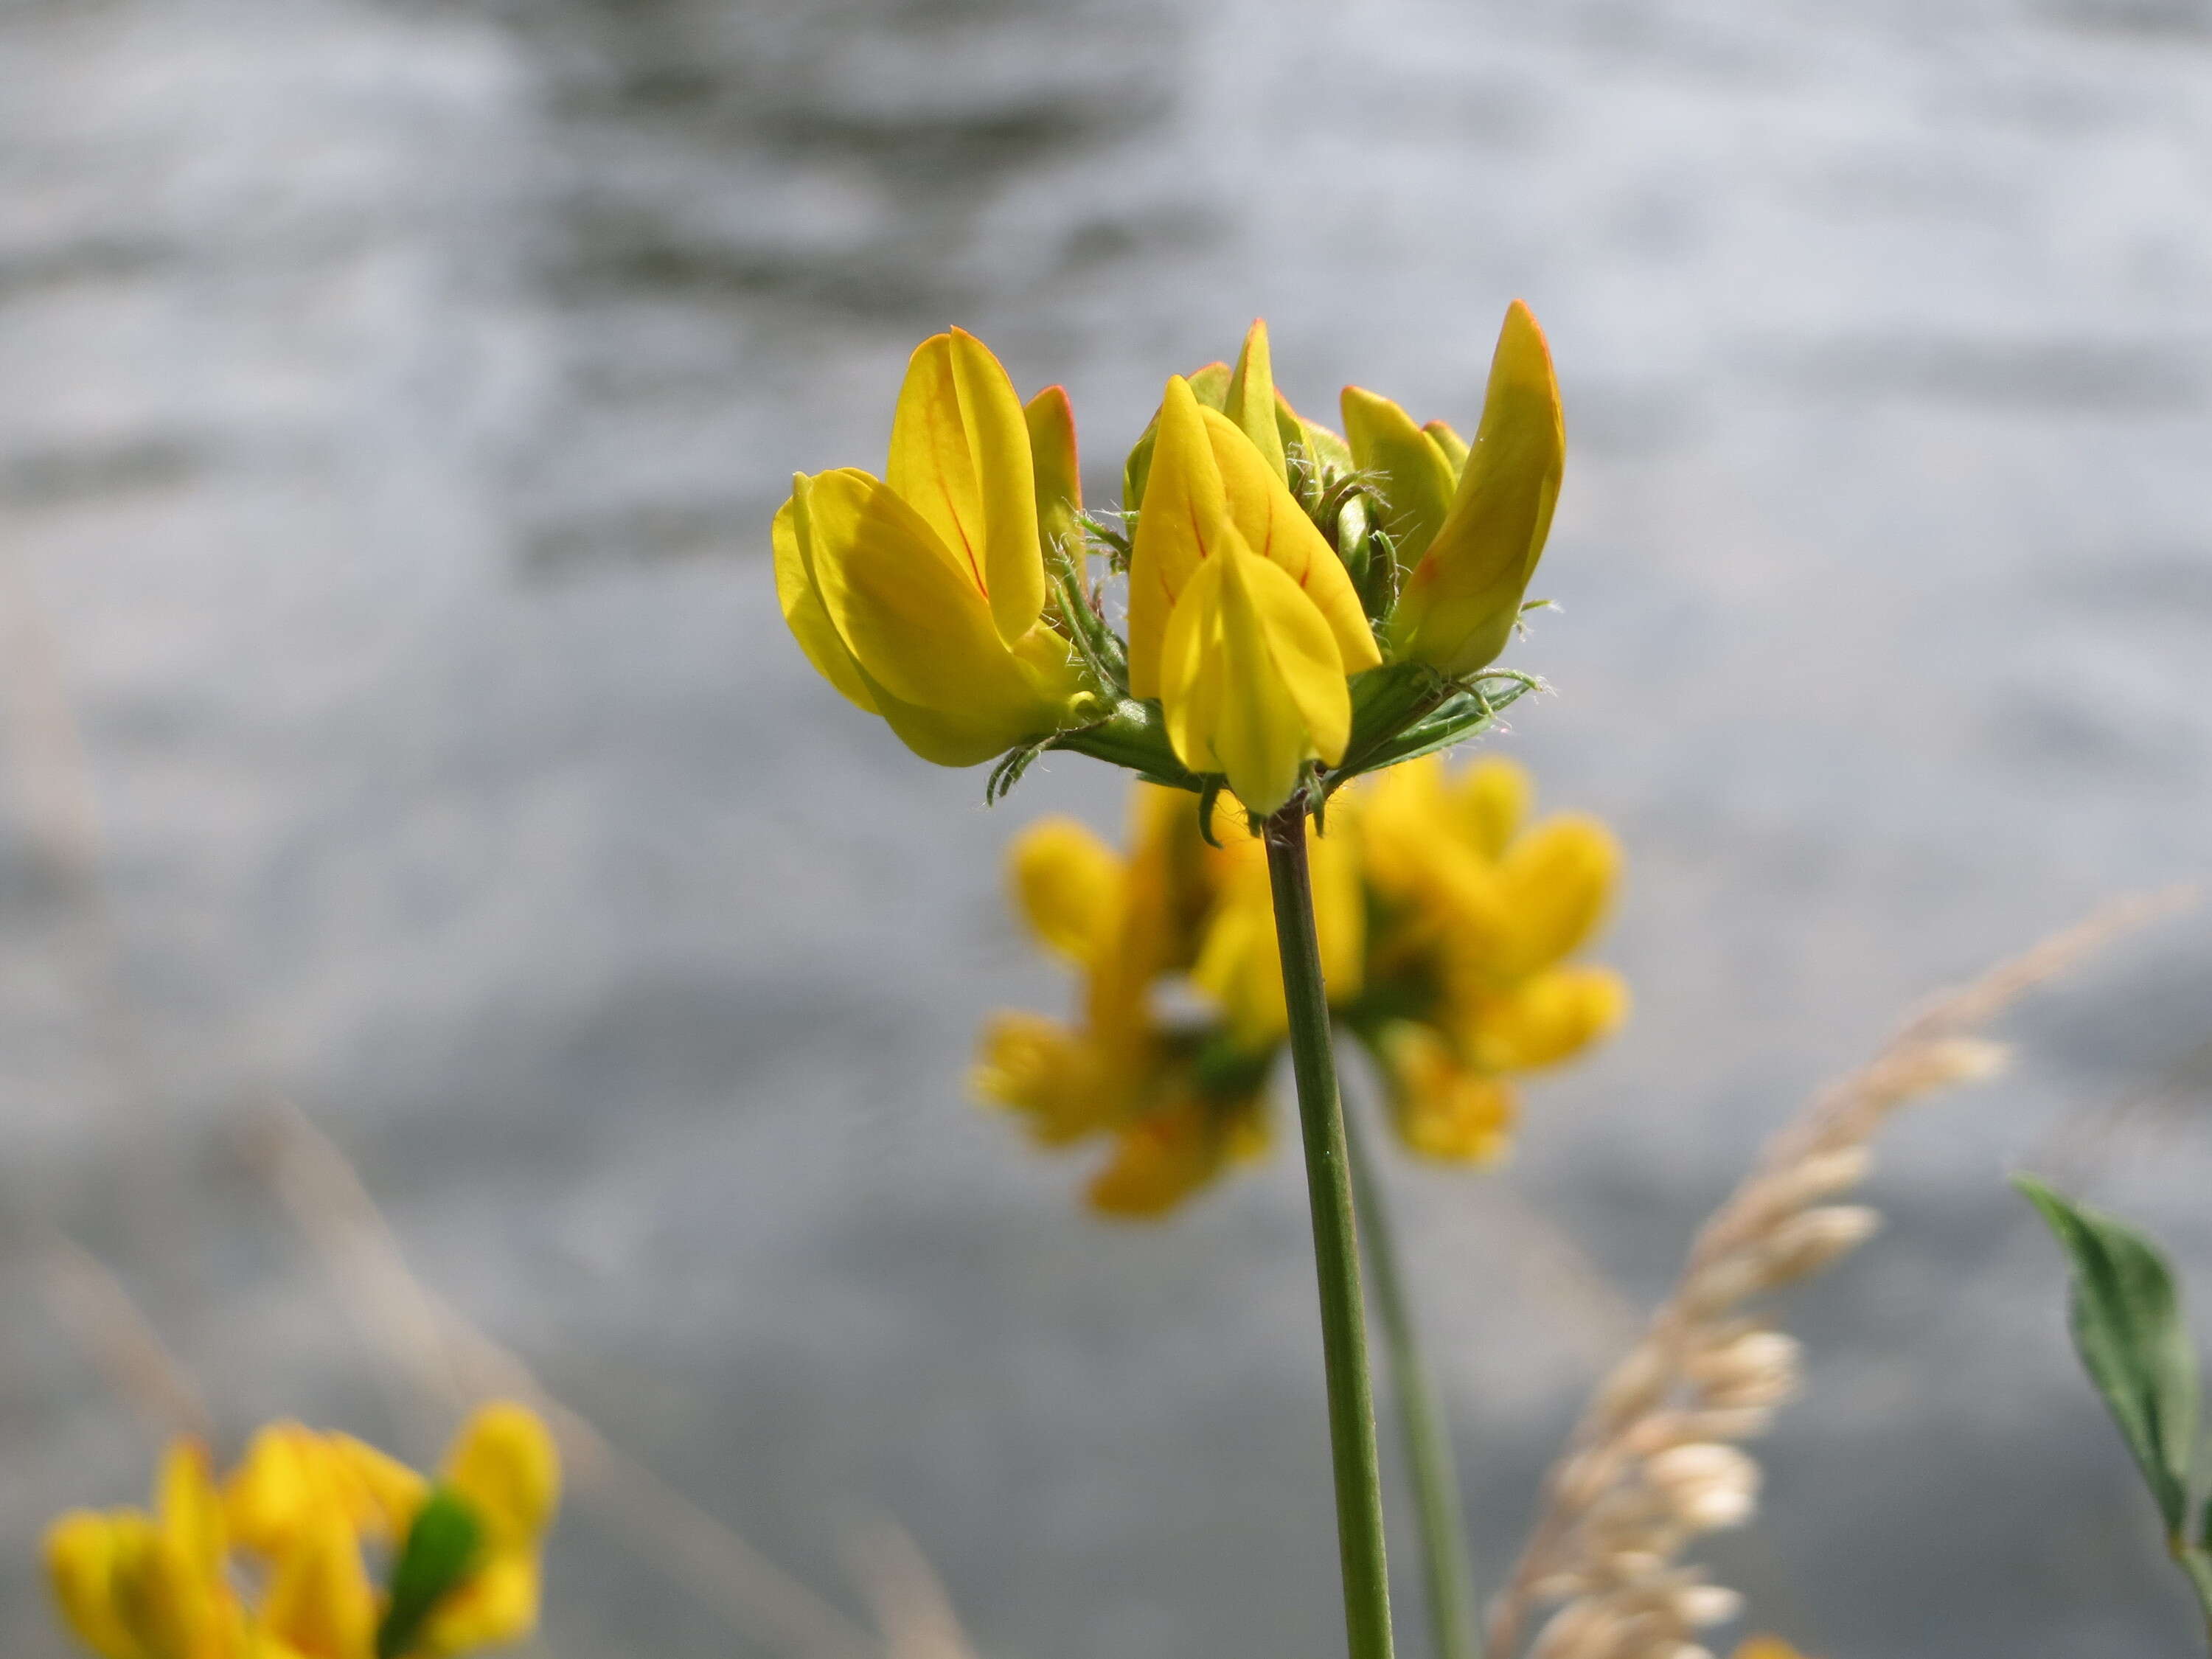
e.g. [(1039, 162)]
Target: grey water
[(393, 397)]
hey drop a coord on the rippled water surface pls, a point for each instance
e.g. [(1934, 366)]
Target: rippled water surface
[(395, 398)]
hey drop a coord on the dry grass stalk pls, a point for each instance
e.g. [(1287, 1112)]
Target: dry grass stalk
[(911, 1608), (453, 1361), (1654, 1463), (91, 1305), (58, 806)]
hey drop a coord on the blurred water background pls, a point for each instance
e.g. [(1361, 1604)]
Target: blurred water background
[(398, 722)]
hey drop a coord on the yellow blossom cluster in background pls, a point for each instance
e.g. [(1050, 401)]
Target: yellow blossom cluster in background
[(274, 1562), (1446, 922)]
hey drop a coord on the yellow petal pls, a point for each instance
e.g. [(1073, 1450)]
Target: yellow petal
[(1210, 386), (276, 1486), (1463, 599), (505, 1464), (1417, 478), (1766, 1647), (1441, 1109), (1161, 1160), (1276, 527), (1067, 883), (1340, 910), (496, 1604), (1251, 403), (1041, 1070), (960, 458), (189, 1508), (1182, 521), (1450, 443), (382, 1494), (921, 637), (1251, 682), (1492, 799), (803, 612), (1240, 965), (1547, 1019), (82, 1552), (1057, 473), (319, 1598), (1557, 880)]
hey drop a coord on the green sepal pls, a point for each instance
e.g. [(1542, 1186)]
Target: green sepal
[(441, 1549), (1134, 736), (1210, 386), (2126, 1321), (1328, 453)]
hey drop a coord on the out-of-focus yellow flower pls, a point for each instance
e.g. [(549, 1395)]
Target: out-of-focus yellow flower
[(135, 1585), (504, 1467), (921, 596), (1178, 1146), (1766, 1647), (1442, 1107), (1126, 926), (1445, 927), (301, 1506), (1242, 620), (1467, 551), (1240, 964), (1473, 918)]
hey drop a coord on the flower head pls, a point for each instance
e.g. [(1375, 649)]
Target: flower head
[(1446, 927), (1300, 609), (300, 1509)]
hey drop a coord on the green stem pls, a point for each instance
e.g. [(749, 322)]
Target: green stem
[(1336, 1246), (2198, 1566), (1444, 1554)]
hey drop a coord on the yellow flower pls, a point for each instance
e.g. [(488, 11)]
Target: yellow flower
[(504, 1466), (303, 1505), (1243, 621), (1445, 929), (1240, 964), (132, 1585), (1476, 550), (1766, 1647), (921, 596), (291, 1476), (1127, 926)]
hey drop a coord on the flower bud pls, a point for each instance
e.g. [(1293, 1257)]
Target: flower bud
[(1462, 598)]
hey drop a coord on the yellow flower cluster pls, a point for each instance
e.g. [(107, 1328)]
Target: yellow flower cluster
[(1271, 565), (1445, 927), (270, 1564)]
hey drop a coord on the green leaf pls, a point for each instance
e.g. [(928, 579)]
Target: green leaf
[(441, 1548), (2127, 1325)]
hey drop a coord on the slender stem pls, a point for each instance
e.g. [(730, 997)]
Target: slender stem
[(1336, 1246), (1445, 1558), (2198, 1565)]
